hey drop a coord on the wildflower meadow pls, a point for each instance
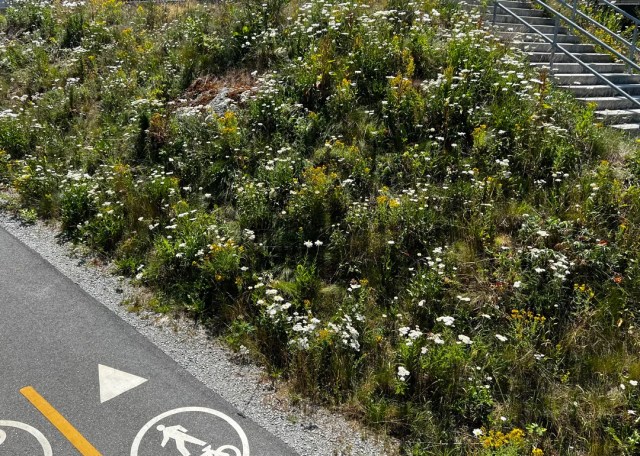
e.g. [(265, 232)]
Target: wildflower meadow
[(380, 202)]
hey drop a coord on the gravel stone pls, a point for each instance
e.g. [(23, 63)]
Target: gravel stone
[(310, 430)]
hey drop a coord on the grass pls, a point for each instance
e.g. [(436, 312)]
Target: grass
[(390, 210)]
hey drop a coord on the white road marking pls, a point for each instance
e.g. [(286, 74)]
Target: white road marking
[(180, 437), (114, 382), (222, 451), (42, 440), (243, 437), (3, 436)]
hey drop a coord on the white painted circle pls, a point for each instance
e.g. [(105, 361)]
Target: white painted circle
[(42, 440), (243, 437)]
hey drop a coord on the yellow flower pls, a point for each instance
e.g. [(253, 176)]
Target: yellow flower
[(516, 435), (537, 452)]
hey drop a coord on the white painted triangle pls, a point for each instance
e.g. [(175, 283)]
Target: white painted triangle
[(114, 382)]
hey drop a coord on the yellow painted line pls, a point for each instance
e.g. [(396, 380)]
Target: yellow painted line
[(59, 421)]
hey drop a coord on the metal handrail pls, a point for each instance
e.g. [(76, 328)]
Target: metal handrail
[(556, 45), (619, 10), (635, 20), (630, 45), (592, 21), (590, 35)]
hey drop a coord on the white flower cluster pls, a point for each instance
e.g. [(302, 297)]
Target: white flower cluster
[(304, 326), (557, 262), (410, 335), (403, 373), (347, 333)]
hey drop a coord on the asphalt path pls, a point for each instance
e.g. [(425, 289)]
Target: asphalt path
[(76, 378)]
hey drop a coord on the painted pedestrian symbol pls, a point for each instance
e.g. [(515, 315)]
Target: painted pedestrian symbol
[(3, 436), (216, 435), (179, 435)]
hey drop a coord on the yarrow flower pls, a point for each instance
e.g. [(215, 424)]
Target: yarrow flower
[(464, 339), (403, 373), (501, 338), (446, 320)]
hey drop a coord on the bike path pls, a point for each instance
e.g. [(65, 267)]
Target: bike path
[(76, 379)]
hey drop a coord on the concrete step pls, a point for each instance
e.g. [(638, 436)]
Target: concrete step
[(611, 103), (514, 4), (561, 57), (503, 19), (522, 12), (577, 68), (488, 9), (544, 29), (618, 116), (546, 47), (526, 12), (519, 37), (632, 128), (509, 4), (591, 79), (600, 90)]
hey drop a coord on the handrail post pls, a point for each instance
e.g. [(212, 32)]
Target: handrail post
[(495, 11), (554, 44), (574, 12), (634, 40)]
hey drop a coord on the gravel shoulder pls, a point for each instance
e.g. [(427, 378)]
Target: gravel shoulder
[(308, 429)]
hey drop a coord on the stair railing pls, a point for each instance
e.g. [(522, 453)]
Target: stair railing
[(635, 20), (558, 46), (630, 45)]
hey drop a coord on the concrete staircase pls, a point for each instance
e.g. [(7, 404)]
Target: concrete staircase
[(612, 109)]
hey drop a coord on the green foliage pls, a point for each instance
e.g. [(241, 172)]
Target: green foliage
[(381, 202)]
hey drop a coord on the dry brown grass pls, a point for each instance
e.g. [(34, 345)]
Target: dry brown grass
[(204, 89)]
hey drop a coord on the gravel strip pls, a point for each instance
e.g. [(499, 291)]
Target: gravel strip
[(310, 430)]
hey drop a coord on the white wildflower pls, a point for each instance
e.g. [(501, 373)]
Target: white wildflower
[(446, 320), (403, 373)]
